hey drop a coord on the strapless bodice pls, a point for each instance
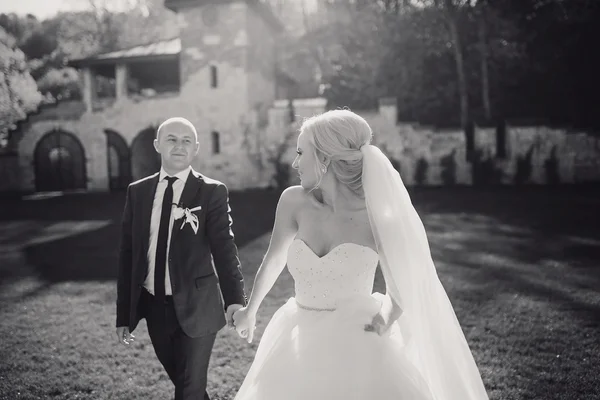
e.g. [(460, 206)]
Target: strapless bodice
[(322, 282)]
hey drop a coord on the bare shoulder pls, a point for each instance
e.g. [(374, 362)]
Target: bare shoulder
[(292, 199), (294, 196)]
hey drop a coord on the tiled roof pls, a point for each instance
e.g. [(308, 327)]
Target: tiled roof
[(169, 47)]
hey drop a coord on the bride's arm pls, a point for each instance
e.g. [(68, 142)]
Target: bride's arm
[(393, 312), (390, 311), (386, 317), (284, 231), (392, 308)]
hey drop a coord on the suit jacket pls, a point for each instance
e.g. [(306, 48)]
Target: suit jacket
[(200, 294)]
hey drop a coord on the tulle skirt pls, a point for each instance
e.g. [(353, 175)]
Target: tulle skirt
[(308, 354)]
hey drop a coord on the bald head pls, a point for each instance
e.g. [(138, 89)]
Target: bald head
[(178, 124), (177, 143)]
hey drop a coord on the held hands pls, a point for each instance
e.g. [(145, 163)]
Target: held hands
[(231, 309), (245, 322), (124, 336)]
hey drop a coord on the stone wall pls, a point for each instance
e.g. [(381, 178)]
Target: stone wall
[(229, 37), (279, 127), (10, 177), (128, 117), (212, 33), (429, 156), (535, 155), (423, 155)]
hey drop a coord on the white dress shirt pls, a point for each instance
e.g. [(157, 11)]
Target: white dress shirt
[(155, 222)]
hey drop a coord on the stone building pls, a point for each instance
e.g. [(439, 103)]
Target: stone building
[(220, 73)]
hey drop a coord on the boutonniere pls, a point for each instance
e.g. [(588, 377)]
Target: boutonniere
[(192, 219)]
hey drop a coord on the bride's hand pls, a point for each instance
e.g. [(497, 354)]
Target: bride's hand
[(388, 314), (245, 322), (378, 325)]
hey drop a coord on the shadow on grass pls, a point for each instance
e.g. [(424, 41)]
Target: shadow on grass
[(535, 295), (491, 255), (521, 269), (534, 217), (519, 265), (567, 209), (93, 255)]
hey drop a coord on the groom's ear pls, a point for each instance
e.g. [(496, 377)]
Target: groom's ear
[(156, 145)]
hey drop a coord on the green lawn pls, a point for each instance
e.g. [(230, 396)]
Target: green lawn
[(520, 266)]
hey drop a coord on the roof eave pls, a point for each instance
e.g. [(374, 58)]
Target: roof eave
[(89, 62)]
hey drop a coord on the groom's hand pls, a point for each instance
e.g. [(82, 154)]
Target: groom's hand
[(123, 335), (245, 323), (229, 314)]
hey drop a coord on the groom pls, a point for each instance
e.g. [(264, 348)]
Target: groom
[(166, 273)]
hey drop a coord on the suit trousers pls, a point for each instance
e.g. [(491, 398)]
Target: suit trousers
[(185, 359)]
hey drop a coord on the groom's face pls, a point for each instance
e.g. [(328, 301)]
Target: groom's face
[(177, 145)]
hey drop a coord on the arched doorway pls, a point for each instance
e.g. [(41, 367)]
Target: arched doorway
[(144, 158), (119, 161), (59, 162)]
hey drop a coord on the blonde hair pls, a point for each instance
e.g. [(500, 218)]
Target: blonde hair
[(339, 135)]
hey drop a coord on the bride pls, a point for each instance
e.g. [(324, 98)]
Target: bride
[(336, 339)]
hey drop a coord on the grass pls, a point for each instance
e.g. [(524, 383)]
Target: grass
[(520, 266), (252, 212)]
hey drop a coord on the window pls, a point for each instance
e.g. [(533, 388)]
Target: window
[(159, 76), (213, 76), (216, 145)]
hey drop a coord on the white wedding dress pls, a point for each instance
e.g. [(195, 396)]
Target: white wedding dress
[(315, 346)]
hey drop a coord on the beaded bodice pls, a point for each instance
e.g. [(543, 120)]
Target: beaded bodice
[(321, 282)]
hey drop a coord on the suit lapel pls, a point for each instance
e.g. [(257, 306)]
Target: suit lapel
[(147, 202), (192, 185)]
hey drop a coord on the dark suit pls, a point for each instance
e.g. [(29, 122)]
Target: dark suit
[(194, 313)]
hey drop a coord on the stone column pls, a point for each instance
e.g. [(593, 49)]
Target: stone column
[(121, 84), (88, 89)]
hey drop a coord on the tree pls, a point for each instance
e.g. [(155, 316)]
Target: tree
[(18, 92), (19, 27), (348, 47), (60, 83), (481, 15), (291, 13), (452, 9), (100, 27), (112, 25), (147, 21)]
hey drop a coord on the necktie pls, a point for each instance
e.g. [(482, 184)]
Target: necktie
[(160, 264)]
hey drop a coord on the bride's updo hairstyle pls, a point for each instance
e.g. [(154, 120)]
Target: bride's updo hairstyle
[(339, 135)]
